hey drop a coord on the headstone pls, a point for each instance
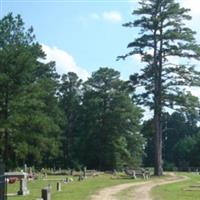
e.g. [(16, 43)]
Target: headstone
[(80, 178), (58, 186), (3, 188), (22, 176), (84, 171), (30, 170), (68, 180), (23, 187), (46, 193), (114, 172), (25, 168)]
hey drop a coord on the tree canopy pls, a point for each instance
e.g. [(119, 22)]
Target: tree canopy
[(48, 120), (163, 35)]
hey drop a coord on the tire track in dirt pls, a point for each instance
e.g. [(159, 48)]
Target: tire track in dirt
[(141, 190)]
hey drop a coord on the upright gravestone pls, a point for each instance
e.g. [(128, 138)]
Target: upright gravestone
[(23, 187), (30, 171), (46, 193), (84, 172), (58, 186), (25, 168), (3, 188)]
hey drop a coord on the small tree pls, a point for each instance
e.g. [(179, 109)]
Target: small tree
[(163, 36)]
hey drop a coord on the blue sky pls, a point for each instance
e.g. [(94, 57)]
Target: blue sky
[(89, 34), (82, 36)]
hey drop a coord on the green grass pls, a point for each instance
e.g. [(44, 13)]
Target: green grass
[(73, 191), (175, 191), (178, 191)]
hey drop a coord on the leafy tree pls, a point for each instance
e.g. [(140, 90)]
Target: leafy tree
[(28, 105), (180, 141), (163, 36), (190, 110), (110, 123), (148, 132), (70, 100), (184, 152)]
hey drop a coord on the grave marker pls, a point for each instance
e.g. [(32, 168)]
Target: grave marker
[(58, 186), (23, 190), (22, 176), (25, 168), (84, 172), (46, 193)]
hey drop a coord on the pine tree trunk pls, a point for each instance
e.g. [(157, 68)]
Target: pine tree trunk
[(158, 171), (158, 144), (158, 125), (158, 105)]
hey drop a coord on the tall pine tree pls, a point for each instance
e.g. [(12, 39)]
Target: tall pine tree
[(163, 36), (29, 113)]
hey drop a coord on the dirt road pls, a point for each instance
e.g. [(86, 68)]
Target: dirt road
[(139, 191)]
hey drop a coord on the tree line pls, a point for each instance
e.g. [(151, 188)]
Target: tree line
[(52, 121)]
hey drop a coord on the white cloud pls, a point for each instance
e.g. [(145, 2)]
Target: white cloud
[(137, 57), (193, 5), (64, 62), (112, 16), (148, 114), (194, 90)]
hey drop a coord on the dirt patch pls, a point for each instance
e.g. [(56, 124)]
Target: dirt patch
[(140, 191)]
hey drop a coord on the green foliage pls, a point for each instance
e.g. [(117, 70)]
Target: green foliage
[(46, 122), (110, 122), (163, 37), (70, 103), (187, 151), (28, 105), (180, 141)]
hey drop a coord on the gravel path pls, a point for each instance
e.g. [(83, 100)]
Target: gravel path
[(141, 190)]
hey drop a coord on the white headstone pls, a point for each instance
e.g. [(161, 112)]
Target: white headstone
[(23, 187), (58, 186)]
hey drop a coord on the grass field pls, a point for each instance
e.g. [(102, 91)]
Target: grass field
[(84, 189), (179, 191), (175, 191), (73, 191)]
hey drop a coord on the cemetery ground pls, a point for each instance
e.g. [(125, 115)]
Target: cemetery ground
[(76, 190), (187, 188)]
